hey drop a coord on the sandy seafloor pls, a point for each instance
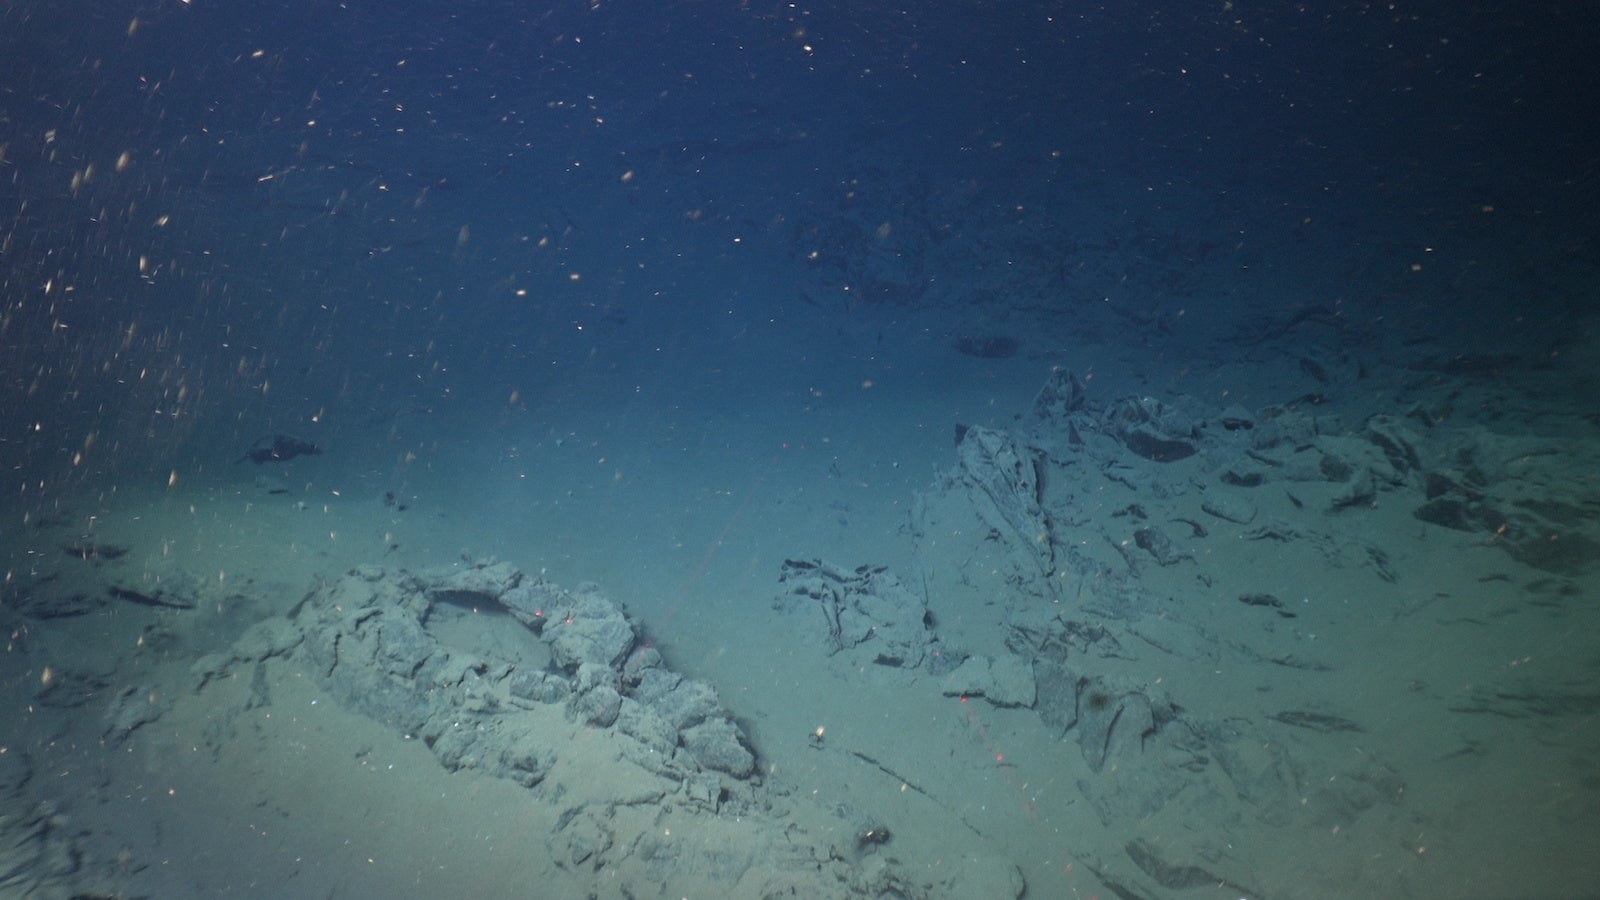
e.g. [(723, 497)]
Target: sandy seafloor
[(652, 384)]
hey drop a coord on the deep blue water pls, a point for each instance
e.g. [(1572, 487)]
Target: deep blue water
[(317, 162)]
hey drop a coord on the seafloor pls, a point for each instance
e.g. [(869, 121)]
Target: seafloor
[(424, 481)]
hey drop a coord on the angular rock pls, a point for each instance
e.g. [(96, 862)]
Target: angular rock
[(1061, 395), (473, 583), (1112, 720), (598, 707), (270, 637), (526, 758), (1398, 440), (1243, 476), (1154, 541), (1152, 429), (1003, 681), (682, 702), (865, 612), (655, 732), (1156, 447), (717, 744), (1007, 473), (538, 687), (1237, 418), (589, 630), (1229, 507)]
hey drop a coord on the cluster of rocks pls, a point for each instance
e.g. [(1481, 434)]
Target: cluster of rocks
[(1467, 479), (1517, 493), (865, 613), (549, 675), (367, 636), (1073, 525), (1082, 496), (869, 616)]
